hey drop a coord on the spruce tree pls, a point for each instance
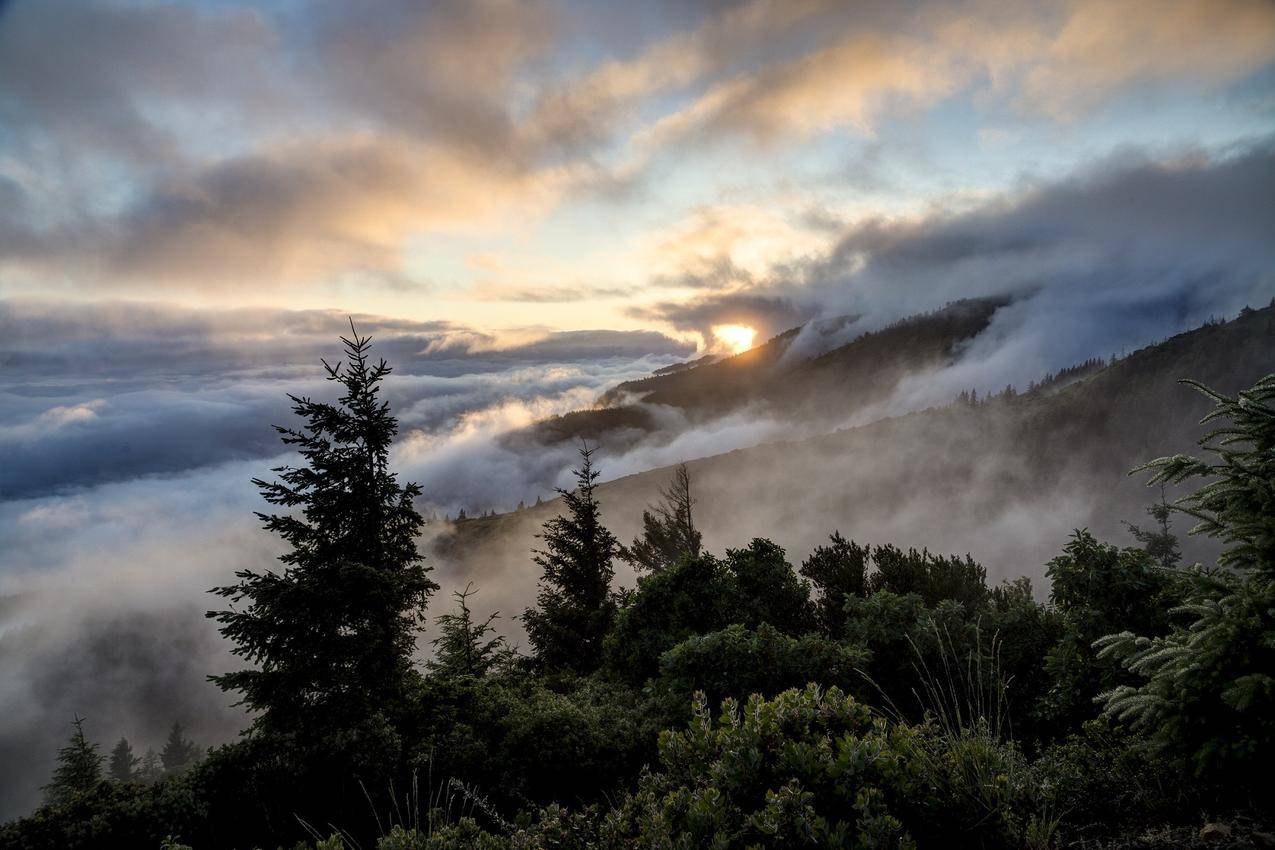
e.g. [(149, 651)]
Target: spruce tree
[(1160, 542), (1206, 689), (179, 752), (463, 647), (668, 529), (575, 603), (331, 635), (123, 764), (79, 767)]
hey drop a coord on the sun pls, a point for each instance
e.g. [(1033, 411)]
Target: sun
[(738, 338)]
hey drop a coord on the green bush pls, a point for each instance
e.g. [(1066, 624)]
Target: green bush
[(738, 661), (805, 769), (693, 596)]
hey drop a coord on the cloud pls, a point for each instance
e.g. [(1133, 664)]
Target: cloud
[(845, 85), (180, 147), (447, 72), (112, 76), (112, 391), (1104, 47), (767, 314)]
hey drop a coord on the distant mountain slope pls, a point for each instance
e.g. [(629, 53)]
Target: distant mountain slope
[(1005, 480), (865, 369), (822, 385)]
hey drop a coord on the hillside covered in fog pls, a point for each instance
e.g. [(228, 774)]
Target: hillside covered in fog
[(1006, 478)]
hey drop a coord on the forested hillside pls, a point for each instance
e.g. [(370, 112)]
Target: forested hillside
[(1006, 478), (809, 375)]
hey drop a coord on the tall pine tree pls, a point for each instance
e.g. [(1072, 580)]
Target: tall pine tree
[(668, 529), (79, 767), (332, 634), (575, 603)]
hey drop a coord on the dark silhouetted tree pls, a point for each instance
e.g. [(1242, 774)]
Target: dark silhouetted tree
[(123, 764), (332, 635), (575, 604), (179, 752), (668, 529), (79, 767), (463, 647)]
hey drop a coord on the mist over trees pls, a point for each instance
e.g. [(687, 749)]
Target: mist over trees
[(874, 695)]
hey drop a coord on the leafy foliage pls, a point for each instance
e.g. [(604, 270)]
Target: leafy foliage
[(737, 661), (838, 571), (767, 590), (933, 577), (693, 596), (1098, 588), (810, 768)]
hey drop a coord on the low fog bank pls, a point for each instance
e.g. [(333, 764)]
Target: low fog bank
[(94, 394)]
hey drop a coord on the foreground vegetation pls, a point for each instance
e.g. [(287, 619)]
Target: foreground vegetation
[(871, 696)]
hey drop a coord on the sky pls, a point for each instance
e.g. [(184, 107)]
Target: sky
[(518, 167), (524, 204)]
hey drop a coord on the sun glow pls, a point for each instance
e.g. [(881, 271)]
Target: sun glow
[(738, 338)]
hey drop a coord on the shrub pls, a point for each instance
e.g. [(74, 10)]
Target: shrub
[(804, 769), (737, 661)]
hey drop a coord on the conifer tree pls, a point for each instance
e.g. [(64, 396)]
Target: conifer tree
[(463, 647), (179, 752), (668, 529), (123, 764), (79, 767), (332, 634), (1207, 691), (1160, 543), (575, 603)]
